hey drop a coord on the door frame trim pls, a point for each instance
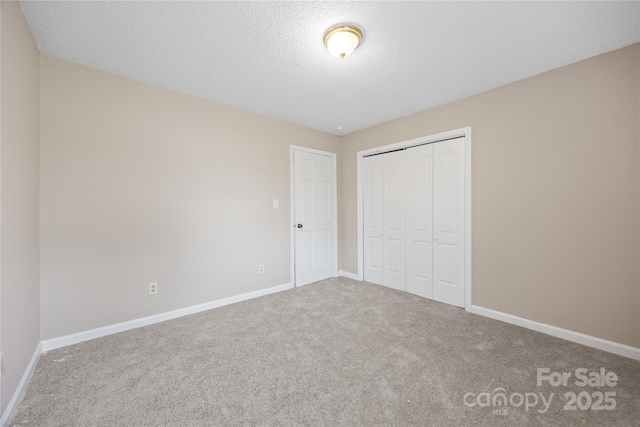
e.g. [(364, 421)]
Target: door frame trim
[(292, 210), (461, 132)]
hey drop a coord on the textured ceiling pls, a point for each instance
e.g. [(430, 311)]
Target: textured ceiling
[(269, 57)]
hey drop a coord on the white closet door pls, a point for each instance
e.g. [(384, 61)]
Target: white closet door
[(448, 222), (420, 220), (394, 184), (373, 219)]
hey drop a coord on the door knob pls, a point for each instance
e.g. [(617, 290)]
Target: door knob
[(299, 225), (435, 239)]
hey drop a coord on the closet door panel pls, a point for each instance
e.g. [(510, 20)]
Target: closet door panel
[(448, 222), (394, 220), (373, 219), (419, 256)]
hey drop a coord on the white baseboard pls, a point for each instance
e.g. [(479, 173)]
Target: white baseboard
[(76, 338), (577, 337), (22, 386), (348, 275)]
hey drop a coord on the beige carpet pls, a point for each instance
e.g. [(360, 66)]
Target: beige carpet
[(338, 352)]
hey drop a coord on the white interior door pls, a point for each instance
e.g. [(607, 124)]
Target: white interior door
[(314, 217), (420, 220), (373, 219), (393, 259), (448, 222)]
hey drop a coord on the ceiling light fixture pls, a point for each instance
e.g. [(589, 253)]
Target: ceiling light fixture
[(342, 39)]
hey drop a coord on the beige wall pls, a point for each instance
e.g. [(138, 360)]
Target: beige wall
[(140, 184), (555, 193), (19, 196)]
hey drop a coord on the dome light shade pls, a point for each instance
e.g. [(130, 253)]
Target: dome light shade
[(341, 40)]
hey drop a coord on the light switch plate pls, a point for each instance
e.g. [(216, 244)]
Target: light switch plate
[(276, 204)]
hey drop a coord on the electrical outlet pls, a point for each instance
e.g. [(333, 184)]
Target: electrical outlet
[(153, 288), (261, 268)]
